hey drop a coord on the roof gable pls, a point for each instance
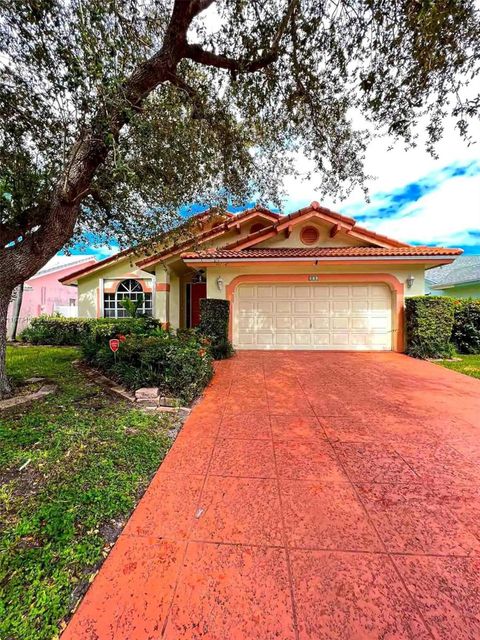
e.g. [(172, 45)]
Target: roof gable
[(337, 224)]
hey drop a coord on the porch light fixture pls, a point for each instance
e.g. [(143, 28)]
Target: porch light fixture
[(410, 280), (219, 283)]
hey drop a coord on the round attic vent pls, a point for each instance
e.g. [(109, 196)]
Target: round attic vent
[(309, 235)]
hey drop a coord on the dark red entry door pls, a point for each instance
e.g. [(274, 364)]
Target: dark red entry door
[(198, 290)]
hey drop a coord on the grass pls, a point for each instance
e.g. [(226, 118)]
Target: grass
[(90, 457), (469, 365)]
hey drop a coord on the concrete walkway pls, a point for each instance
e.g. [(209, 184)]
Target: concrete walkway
[(309, 496)]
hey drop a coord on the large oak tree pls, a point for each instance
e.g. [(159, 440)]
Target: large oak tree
[(116, 112)]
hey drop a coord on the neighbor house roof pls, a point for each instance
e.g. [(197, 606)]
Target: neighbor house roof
[(60, 263), (464, 270), (285, 253)]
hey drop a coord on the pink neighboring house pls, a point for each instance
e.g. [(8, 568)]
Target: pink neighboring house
[(43, 293)]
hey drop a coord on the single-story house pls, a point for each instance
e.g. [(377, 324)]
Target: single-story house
[(313, 279), (459, 279)]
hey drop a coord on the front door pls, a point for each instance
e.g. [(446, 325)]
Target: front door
[(195, 292)]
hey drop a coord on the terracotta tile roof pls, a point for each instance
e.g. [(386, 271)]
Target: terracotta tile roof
[(318, 252), (233, 220)]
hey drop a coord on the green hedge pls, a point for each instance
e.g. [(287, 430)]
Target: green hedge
[(214, 320), (56, 330), (466, 328), (180, 366), (429, 324)]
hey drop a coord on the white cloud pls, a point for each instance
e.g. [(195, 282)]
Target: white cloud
[(443, 216)]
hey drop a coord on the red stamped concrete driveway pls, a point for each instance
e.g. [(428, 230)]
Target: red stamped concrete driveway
[(309, 496)]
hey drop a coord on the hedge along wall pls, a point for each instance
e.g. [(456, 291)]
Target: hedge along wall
[(466, 328), (429, 324), (214, 320), (56, 330)]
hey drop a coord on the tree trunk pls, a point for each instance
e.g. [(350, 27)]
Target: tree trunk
[(5, 387), (17, 305)]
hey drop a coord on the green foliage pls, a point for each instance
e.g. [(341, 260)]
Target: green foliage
[(206, 135), (466, 328), (214, 318), (429, 323), (132, 307), (90, 458), (179, 366), (55, 330)]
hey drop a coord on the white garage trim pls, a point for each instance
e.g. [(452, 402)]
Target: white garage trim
[(314, 316)]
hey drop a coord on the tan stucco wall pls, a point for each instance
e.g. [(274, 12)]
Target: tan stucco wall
[(89, 286), (324, 240), (228, 273)]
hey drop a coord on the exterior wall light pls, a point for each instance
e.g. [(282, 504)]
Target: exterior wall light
[(410, 280), (219, 283)]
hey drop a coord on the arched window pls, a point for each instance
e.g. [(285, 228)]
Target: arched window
[(127, 289)]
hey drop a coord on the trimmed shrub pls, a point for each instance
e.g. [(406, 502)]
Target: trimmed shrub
[(466, 327), (214, 318), (180, 367), (429, 323), (56, 330)]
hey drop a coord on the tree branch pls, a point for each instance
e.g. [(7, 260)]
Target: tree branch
[(196, 53)]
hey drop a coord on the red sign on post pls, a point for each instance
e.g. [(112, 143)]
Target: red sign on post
[(114, 343)]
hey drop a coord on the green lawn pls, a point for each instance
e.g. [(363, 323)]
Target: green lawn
[(469, 365), (90, 457)]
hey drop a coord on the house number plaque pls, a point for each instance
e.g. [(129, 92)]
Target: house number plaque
[(313, 278)]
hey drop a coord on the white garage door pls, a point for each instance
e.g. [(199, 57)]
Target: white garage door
[(307, 316)]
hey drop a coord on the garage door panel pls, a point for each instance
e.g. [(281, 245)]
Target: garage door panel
[(300, 322), (283, 339), (360, 306), (265, 292), (340, 323), (283, 292), (302, 292), (264, 306), (246, 306), (359, 323), (283, 306), (313, 316), (302, 339), (264, 322), (301, 306), (341, 306), (265, 338), (246, 322), (321, 307), (283, 322), (359, 292), (321, 292), (377, 304), (321, 323)]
